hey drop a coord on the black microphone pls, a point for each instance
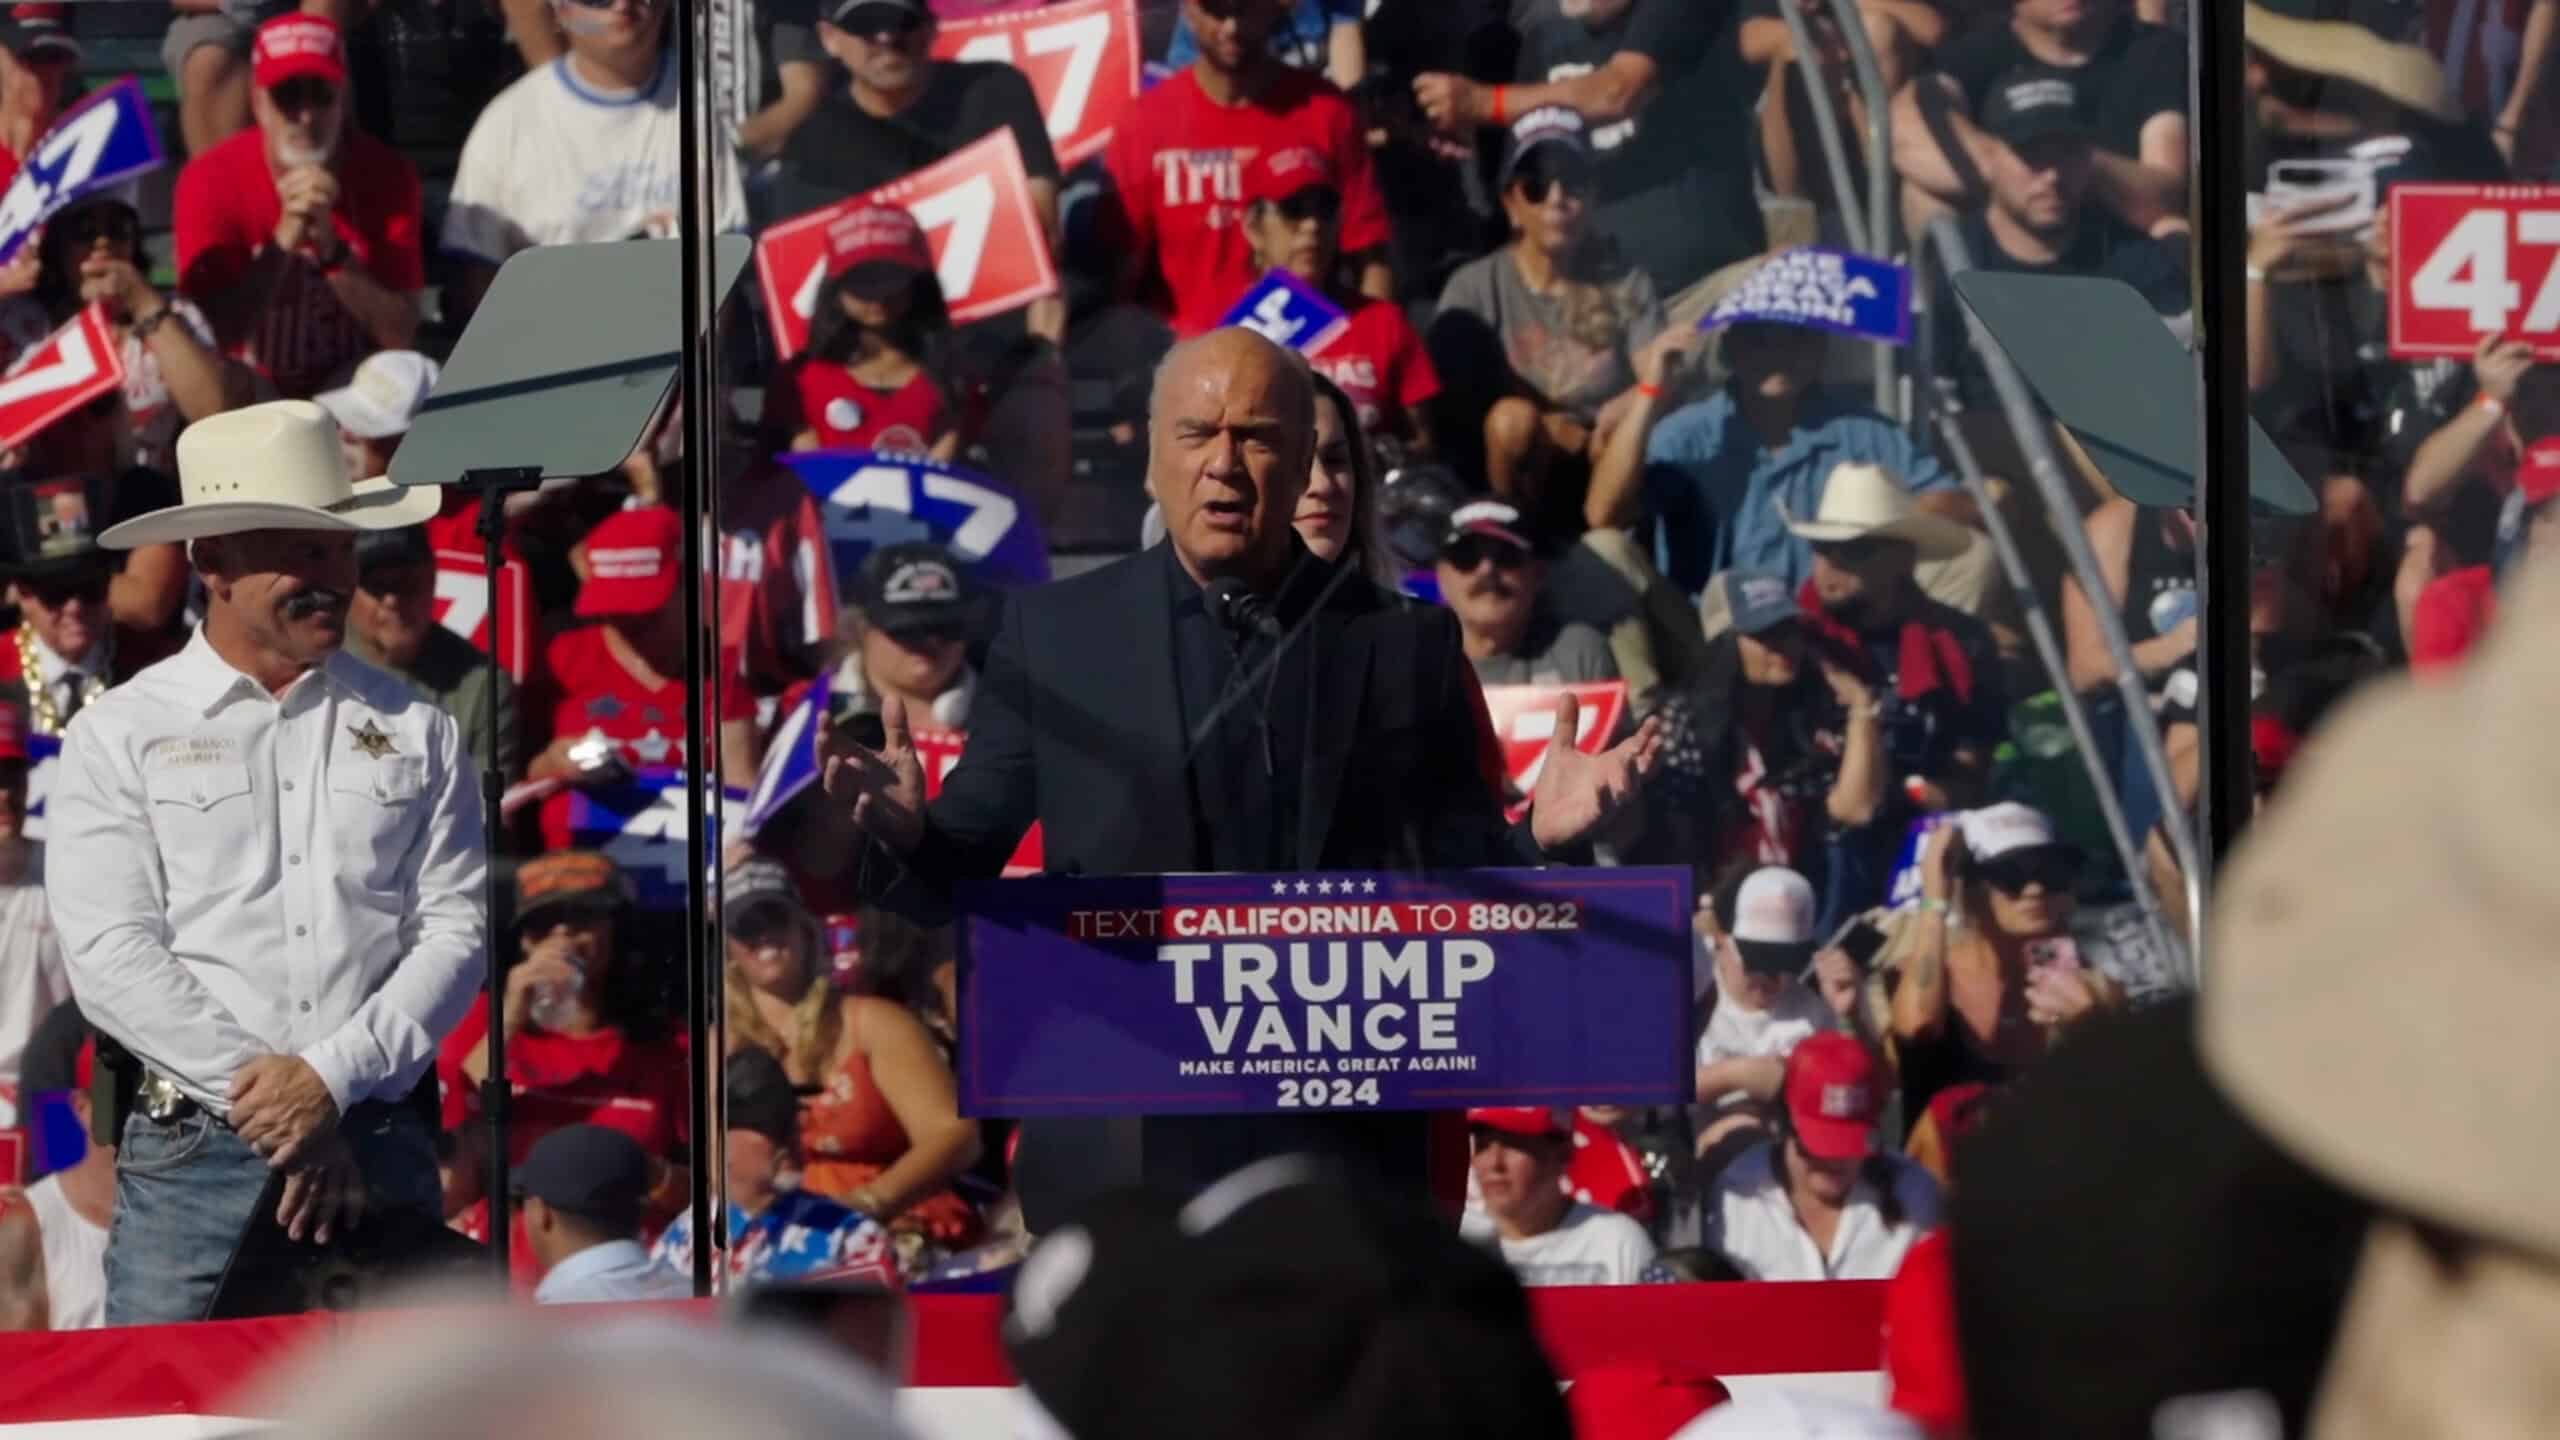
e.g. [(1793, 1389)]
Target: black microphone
[(1237, 607)]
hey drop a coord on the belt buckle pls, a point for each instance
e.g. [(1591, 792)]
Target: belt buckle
[(160, 1098)]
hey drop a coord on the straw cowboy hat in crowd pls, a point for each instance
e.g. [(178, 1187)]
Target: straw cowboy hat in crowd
[(1861, 501), (2318, 37), (276, 466)]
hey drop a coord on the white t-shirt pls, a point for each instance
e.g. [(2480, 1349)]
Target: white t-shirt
[(554, 161), (75, 1258), (32, 979), (1734, 1033), (1591, 1246), (1751, 1221)]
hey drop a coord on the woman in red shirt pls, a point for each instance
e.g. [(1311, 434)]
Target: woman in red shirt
[(1294, 221), (865, 382)]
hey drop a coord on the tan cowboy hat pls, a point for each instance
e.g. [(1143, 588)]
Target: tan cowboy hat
[(1861, 500), (2406, 75), (275, 466), (2379, 982)]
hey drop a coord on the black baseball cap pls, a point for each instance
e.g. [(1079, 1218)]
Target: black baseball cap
[(1558, 128), (2027, 106), (38, 32), (588, 1171), (759, 1097), (911, 586), (841, 13), (382, 549), (759, 883)]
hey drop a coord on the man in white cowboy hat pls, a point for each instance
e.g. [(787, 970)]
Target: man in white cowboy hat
[(266, 876), (1934, 671), (2381, 1012)]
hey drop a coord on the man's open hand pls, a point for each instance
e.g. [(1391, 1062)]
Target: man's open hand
[(324, 1197), (280, 1107), (883, 789), (1578, 793)]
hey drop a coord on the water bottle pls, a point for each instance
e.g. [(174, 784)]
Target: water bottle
[(555, 1002)]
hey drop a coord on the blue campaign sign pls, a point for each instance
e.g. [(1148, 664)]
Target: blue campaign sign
[(870, 499), (44, 757), (1288, 311), (640, 825), (791, 760), (97, 145), (1223, 994), (1822, 289)]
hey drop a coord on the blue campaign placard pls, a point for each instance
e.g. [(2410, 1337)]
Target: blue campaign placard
[(1229, 994), (1288, 311), (1821, 289), (869, 499), (97, 145), (640, 824)]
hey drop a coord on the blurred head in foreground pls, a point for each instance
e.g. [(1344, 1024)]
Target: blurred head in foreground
[(424, 1377)]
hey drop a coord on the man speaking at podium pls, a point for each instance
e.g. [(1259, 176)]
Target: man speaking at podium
[(1223, 702)]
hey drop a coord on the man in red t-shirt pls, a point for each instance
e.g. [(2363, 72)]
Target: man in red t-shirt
[(300, 238), (620, 681), (1177, 167)]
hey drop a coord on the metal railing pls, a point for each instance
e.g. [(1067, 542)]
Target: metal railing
[(2062, 512), (1868, 223)]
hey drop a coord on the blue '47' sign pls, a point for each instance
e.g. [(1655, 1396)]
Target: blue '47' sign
[(869, 499), (97, 145), (1288, 311)]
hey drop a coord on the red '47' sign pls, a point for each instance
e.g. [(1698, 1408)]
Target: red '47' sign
[(462, 606), (989, 250), (1524, 721), (2474, 260), (75, 365), (1080, 57), (938, 751)]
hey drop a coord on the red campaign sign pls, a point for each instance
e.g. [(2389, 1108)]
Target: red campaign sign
[(1524, 721), (989, 250), (75, 365), (1080, 57), (940, 750), (462, 606), (2474, 260), (13, 1160)]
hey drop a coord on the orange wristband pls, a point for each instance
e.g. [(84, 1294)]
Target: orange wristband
[(1501, 104), (1648, 391)]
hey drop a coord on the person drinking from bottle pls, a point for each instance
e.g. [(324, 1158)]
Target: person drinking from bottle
[(581, 1048)]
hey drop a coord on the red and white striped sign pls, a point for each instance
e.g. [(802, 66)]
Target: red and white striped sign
[(1524, 721), (1080, 57), (989, 249), (462, 606), (939, 750), (75, 365)]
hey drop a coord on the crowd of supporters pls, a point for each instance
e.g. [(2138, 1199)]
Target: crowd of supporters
[(1524, 211)]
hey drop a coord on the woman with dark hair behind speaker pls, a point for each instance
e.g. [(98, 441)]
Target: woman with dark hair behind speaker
[(1818, 1201), (1337, 515)]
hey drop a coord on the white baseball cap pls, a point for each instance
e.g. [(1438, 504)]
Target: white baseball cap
[(1772, 921), (383, 395), (2005, 828)]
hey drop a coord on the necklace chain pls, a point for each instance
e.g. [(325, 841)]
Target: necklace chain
[(45, 715)]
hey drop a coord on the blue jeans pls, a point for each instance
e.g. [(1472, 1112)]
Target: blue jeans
[(186, 1192)]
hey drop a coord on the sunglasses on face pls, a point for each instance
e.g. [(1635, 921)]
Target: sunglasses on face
[(2056, 871), (761, 926), (1317, 202), (88, 227), (1851, 553), (917, 637), (1539, 184), (54, 594), (883, 22), (1469, 553), (307, 92)]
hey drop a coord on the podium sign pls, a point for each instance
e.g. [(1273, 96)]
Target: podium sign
[(1229, 994)]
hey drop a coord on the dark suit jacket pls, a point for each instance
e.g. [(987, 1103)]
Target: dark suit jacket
[(1077, 723)]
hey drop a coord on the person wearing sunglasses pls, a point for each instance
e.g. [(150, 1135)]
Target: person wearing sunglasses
[(866, 382), (1293, 217), (1493, 578), (907, 635), (1541, 334), (1983, 972), (67, 647), (300, 237)]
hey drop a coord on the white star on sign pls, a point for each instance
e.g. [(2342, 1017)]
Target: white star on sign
[(1302, 887), (1324, 887), (1279, 887), (1368, 887), (652, 748)]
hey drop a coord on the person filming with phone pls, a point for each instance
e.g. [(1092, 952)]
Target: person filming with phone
[(1984, 972)]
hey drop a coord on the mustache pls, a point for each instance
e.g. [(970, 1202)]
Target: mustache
[(304, 604)]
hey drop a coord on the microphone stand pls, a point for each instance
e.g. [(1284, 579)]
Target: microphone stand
[(495, 484)]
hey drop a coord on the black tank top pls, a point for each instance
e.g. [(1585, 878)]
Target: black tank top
[(2159, 584)]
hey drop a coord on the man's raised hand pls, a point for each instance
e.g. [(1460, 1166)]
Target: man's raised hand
[(1578, 793), (883, 789)]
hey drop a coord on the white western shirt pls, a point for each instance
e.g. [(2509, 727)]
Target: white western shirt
[(235, 874), (1751, 1220)]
